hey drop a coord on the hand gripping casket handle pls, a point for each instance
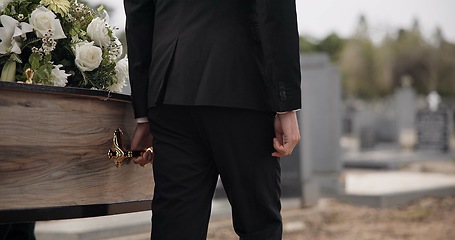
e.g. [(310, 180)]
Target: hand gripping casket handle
[(119, 153)]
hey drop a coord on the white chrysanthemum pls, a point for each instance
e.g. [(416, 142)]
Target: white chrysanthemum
[(58, 6), (121, 70), (59, 77)]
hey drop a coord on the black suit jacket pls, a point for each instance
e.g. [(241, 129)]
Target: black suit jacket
[(228, 53)]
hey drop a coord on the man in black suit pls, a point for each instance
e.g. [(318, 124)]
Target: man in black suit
[(216, 83)]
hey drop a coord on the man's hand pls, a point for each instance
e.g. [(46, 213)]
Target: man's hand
[(142, 139), (287, 134)]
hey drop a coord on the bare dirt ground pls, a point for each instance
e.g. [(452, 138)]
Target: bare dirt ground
[(425, 219)]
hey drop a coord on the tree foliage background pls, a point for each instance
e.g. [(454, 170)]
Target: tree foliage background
[(372, 70)]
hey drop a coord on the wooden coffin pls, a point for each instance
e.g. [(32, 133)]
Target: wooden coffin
[(53, 154)]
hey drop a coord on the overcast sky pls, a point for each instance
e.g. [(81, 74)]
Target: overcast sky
[(318, 18)]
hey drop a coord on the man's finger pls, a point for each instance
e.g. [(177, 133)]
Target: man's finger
[(277, 154), (281, 149), (141, 161), (148, 156)]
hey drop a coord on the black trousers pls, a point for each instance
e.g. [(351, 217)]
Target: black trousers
[(17, 231), (195, 145)]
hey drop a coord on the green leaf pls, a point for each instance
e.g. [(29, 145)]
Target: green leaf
[(9, 72), (34, 60), (47, 58), (100, 9), (16, 58)]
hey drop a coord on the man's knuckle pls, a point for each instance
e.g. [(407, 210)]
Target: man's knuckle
[(296, 138)]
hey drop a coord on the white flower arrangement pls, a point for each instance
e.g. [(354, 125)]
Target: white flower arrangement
[(60, 43)]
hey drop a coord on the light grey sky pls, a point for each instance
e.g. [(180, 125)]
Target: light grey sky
[(318, 18)]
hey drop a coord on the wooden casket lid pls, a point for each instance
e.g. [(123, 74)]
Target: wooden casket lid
[(53, 162)]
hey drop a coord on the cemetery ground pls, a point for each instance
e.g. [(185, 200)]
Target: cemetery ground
[(427, 218)]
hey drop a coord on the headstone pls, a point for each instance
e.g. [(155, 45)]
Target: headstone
[(320, 119), (386, 130), (364, 127), (434, 130), (367, 138), (347, 121), (405, 102), (433, 101)]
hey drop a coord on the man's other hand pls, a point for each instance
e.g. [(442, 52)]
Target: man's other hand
[(287, 134)]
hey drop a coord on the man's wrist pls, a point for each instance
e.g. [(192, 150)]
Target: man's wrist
[(279, 113), (142, 120)]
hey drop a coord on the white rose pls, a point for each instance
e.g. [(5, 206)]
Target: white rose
[(97, 30), (88, 57), (121, 72), (44, 21)]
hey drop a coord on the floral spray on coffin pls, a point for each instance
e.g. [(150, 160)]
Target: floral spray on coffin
[(60, 43), (55, 137)]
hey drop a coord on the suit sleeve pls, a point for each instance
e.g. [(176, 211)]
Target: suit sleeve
[(139, 36), (277, 21)]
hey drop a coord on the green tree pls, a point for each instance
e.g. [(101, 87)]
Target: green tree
[(357, 63), (306, 44), (369, 70), (412, 57), (444, 65), (332, 45)]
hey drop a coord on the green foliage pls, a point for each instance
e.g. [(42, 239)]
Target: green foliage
[(24, 7), (444, 64), (306, 45), (357, 65), (374, 70), (41, 67), (100, 79), (331, 45)]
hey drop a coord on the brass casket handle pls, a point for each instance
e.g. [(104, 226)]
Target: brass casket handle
[(119, 153)]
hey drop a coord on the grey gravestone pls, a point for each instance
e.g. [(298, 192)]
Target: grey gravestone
[(434, 130), (405, 102), (348, 113), (364, 127), (367, 138), (320, 120)]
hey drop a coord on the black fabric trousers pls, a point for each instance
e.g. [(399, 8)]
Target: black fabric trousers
[(195, 145), (17, 231)]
